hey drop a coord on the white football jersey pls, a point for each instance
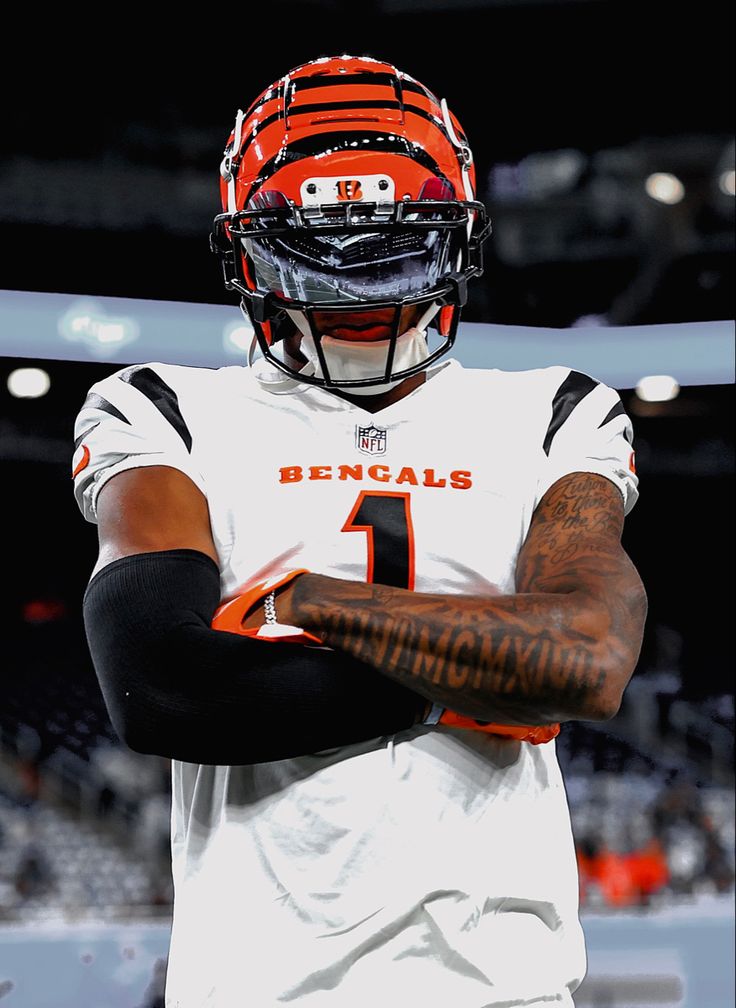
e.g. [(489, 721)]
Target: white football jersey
[(435, 867)]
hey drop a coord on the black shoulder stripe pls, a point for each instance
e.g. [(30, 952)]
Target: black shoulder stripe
[(94, 401), (84, 434), (617, 410), (163, 398), (614, 411), (573, 389)]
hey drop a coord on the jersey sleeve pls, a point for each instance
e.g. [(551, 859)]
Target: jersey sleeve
[(130, 419), (588, 431)]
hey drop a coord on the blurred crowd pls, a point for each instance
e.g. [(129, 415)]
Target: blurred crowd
[(112, 853), (642, 839), (648, 849)]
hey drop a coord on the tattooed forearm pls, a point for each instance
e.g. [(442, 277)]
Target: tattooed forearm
[(563, 647), (508, 658)]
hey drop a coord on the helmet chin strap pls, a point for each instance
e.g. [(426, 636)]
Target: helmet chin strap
[(352, 360), (411, 348), (349, 361)]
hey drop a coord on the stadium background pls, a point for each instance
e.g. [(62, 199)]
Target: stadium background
[(111, 145)]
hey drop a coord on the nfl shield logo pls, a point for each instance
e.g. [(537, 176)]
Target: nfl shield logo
[(370, 440)]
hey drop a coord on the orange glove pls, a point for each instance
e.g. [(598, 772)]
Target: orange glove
[(231, 615), (536, 734)]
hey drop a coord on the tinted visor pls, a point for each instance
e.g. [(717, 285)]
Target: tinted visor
[(347, 267)]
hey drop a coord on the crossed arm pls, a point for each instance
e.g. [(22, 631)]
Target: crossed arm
[(564, 647)]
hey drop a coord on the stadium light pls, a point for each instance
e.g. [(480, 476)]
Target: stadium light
[(665, 188), (237, 337), (28, 383), (727, 182), (657, 388)]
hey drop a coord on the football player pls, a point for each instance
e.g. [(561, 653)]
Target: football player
[(353, 588)]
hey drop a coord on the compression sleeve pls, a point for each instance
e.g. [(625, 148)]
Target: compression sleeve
[(176, 688)]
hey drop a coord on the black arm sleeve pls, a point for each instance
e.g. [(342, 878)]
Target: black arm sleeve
[(176, 688)]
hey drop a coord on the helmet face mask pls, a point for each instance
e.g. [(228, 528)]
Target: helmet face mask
[(351, 267), (340, 219)]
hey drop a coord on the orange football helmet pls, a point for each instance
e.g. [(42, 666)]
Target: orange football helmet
[(347, 185)]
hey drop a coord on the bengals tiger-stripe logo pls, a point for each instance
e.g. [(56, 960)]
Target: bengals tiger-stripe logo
[(349, 189)]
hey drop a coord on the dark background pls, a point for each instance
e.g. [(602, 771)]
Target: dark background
[(115, 130), (112, 137)]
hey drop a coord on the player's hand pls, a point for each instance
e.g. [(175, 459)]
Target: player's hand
[(245, 614)]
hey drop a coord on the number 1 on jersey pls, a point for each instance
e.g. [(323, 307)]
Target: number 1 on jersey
[(385, 517)]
